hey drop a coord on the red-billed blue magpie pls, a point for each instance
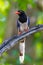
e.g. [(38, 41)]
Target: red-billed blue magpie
[(23, 21)]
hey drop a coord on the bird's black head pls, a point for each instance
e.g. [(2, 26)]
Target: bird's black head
[(22, 16), (20, 12)]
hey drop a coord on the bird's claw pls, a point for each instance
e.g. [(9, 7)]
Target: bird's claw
[(26, 30), (19, 33)]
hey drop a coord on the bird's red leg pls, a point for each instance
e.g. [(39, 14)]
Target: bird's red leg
[(19, 32), (26, 30)]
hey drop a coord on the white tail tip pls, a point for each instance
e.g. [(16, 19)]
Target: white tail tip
[(21, 58)]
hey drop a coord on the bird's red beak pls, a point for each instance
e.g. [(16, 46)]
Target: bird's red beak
[(17, 12)]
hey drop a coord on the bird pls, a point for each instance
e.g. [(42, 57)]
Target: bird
[(23, 23)]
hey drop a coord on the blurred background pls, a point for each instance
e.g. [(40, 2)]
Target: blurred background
[(34, 43)]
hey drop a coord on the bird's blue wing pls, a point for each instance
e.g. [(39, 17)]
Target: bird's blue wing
[(18, 24), (28, 21)]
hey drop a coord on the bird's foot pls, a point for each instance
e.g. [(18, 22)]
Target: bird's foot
[(26, 30), (19, 33)]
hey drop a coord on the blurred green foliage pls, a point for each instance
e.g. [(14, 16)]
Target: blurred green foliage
[(22, 4), (37, 39)]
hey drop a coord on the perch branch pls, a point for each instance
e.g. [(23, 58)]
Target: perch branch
[(7, 44)]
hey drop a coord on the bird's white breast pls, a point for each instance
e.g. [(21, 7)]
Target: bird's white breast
[(23, 26)]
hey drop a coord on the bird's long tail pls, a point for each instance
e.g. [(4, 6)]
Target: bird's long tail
[(22, 51)]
